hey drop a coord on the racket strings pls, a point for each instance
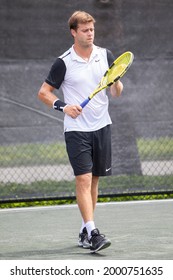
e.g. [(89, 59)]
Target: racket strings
[(118, 68), (116, 72)]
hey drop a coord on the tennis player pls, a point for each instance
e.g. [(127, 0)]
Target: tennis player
[(87, 131)]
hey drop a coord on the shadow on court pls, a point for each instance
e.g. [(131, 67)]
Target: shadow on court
[(138, 230)]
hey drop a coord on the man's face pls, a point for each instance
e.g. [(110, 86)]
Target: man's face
[(84, 35)]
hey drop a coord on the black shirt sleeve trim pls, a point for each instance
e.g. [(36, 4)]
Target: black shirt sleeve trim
[(56, 74), (110, 57)]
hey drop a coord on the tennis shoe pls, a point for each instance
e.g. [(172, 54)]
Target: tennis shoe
[(98, 241), (83, 239)]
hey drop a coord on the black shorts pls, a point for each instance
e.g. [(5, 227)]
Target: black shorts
[(90, 151)]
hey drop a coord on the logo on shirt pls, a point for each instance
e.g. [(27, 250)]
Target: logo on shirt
[(97, 60)]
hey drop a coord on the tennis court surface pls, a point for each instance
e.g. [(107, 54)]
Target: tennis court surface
[(138, 230)]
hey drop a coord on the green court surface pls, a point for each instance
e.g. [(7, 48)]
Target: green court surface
[(138, 230)]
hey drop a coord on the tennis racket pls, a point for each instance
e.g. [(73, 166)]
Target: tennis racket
[(118, 68)]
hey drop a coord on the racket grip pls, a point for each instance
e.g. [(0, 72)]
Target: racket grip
[(85, 102)]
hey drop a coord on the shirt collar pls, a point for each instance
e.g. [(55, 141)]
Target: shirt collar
[(78, 58)]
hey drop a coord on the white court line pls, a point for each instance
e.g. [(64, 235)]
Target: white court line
[(100, 204)]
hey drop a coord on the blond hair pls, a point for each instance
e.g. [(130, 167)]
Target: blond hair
[(79, 17)]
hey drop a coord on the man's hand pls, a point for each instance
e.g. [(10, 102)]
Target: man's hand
[(73, 110), (116, 89)]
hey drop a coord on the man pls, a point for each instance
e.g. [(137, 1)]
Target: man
[(87, 130)]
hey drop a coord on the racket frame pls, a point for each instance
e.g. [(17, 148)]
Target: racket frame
[(100, 87)]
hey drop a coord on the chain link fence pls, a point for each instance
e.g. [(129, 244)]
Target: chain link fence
[(42, 171), (33, 159)]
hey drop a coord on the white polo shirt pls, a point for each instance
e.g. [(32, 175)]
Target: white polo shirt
[(77, 79)]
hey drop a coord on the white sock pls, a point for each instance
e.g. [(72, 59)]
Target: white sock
[(90, 225), (82, 226)]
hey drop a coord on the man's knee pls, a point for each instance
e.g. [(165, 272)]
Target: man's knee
[(84, 180)]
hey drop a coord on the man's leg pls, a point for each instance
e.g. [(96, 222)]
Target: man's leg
[(94, 190), (87, 195), (87, 199), (84, 197), (97, 241)]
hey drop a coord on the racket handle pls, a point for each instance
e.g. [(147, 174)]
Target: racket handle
[(85, 102)]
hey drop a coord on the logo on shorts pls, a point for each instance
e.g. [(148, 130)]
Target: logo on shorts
[(108, 169)]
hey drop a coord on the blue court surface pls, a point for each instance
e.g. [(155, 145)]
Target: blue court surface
[(141, 230)]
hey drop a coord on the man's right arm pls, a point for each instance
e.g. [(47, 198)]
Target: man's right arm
[(47, 96)]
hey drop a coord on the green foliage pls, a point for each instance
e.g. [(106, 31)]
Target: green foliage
[(107, 186), (100, 200), (55, 153), (33, 154), (155, 149)]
